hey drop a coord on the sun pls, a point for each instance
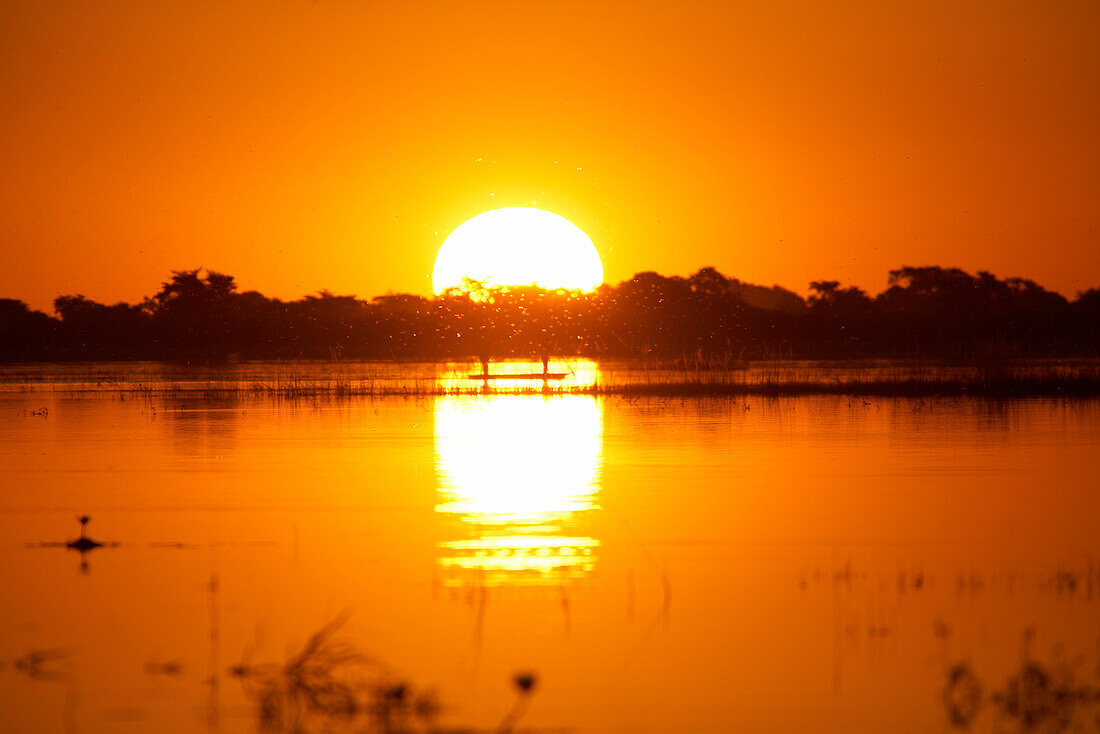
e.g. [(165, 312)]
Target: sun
[(518, 246)]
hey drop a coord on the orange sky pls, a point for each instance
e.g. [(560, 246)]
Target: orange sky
[(313, 145)]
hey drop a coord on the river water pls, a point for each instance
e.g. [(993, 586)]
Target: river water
[(705, 564)]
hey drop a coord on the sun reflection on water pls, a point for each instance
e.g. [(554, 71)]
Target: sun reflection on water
[(517, 475)]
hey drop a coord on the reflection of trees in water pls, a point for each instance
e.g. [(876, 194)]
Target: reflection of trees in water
[(202, 426)]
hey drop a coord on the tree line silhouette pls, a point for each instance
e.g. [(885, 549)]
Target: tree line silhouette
[(707, 318)]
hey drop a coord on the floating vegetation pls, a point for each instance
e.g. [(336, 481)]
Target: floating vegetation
[(1034, 698), (167, 668), (41, 665), (962, 695), (51, 666)]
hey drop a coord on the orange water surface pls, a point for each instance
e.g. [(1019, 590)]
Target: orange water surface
[(789, 565)]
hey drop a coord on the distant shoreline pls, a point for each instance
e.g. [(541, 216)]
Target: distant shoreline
[(705, 321)]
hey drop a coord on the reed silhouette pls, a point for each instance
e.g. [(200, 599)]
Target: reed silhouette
[(927, 382), (330, 685), (524, 683)]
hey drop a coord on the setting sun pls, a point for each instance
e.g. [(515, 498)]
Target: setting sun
[(518, 246)]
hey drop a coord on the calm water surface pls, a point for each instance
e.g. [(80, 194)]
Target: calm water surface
[(791, 565)]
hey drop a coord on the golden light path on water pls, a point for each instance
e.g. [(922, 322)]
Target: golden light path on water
[(517, 473)]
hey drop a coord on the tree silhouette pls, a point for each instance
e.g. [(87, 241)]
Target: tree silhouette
[(704, 319)]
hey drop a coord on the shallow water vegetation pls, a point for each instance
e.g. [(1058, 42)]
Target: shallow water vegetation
[(524, 682), (328, 685), (43, 665), (1076, 379), (1037, 697), (995, 378), (332, 686)]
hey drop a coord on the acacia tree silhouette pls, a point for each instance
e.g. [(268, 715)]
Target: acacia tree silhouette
[(707, 318)]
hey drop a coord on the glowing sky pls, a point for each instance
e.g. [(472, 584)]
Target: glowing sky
[(309, 145)]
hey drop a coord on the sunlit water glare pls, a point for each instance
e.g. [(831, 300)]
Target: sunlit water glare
[(516, 471)]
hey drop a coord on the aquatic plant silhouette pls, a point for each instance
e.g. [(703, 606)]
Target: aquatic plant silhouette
[(923, 380), (329, 685), (168, 668), (39, 665), (524, 683), (394, 708), (332, 686), (1035, 697), (317, 686), (962, 695), (51, 666)]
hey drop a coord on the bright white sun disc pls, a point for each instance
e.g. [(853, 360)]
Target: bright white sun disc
[(518, 246)]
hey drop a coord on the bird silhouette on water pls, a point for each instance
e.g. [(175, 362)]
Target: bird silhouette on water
[(83, 543)]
